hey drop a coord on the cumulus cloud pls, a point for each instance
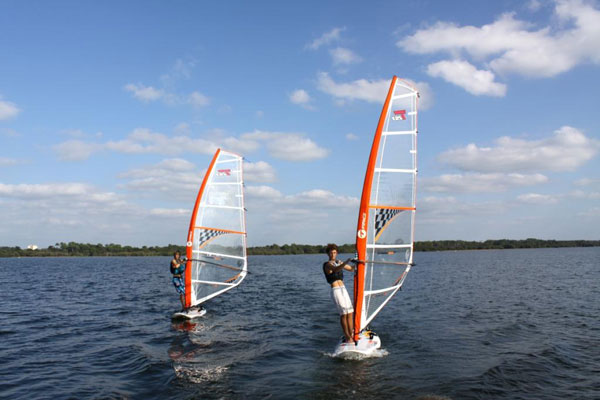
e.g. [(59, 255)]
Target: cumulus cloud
[(173, 177), (259, 172), (8, 110), (447, 209), (344, 56), (262, 192), (148, 94), (538, 199), (371, 91), (288, 146), (361, 89), (6, 161), (566, 150), (197, 99), (181, 70), (76, 150), (311, 198), (509, 45), (170, 212), (144, 93), (351, 136), (325, 39), (465, 75), (480, 183), (302, 98), (588, 182), (144, 141), (66, 211)]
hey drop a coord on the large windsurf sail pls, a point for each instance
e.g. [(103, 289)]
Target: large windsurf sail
[(216, 241), (385, 232)]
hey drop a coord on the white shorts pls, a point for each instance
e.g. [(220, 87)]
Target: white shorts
[(340, 297)]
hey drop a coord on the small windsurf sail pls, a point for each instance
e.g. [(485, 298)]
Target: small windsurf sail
[(385, 232), (216, 241)]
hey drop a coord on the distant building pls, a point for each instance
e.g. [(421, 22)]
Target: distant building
[(32, 247)]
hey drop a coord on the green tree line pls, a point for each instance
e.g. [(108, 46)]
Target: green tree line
[(97, 250)]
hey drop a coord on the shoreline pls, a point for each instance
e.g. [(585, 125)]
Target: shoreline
[(73, 249)]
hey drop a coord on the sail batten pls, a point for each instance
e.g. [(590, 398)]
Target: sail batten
[(217, 231), (385, 229)]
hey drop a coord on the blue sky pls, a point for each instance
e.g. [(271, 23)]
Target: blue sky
[(111, 111)]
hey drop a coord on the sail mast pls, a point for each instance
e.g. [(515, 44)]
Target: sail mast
[(363, 220)]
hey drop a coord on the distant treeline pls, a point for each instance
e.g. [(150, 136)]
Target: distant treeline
[(95, 250)]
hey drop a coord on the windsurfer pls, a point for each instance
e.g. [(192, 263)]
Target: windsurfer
[(177, 268), (334, 273)]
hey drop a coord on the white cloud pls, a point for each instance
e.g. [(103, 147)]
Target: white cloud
[(580, 194), (65, 212), (262, 192), (144, 141), (259, 172), (538, 199), (181, 70), (75, 150), (6, 161), (449, 209), (480, 183), (144, 93), (534, 5), (8, 109), (288, 146), (325, 39), (509, 45), (592, 212), (310, 199), (341, 55), (588, 182), (566, 150), (371, 91), (170, 212), (302, 98), (148, 94), (351, 136), (197, 99), (361, 89), (465, 75), (174, 178)]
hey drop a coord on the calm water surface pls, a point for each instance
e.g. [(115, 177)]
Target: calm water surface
[(511, 324)]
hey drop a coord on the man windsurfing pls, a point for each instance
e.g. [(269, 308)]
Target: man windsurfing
[(334, 274)]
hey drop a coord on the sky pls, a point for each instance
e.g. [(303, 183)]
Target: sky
[(111, 111)]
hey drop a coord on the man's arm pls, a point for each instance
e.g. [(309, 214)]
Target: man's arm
[(343, 265)]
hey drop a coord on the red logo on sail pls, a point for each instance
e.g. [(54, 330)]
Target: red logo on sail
[(223, 172), (399, 115)]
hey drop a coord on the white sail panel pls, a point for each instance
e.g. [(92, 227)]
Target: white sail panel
[(217, 236), (388, 205)]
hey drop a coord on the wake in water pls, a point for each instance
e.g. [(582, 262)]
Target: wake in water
[(197, 374), (378, 353)]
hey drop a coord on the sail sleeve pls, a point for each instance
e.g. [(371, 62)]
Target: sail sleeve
[(385, 231), (216, 243)]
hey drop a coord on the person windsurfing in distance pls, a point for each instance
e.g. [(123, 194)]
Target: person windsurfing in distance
[(177, 269)]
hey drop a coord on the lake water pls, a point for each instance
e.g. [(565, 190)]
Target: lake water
[(510, 324)]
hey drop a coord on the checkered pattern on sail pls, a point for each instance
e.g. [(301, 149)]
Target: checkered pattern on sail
[(207, 234), (383, 216)]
